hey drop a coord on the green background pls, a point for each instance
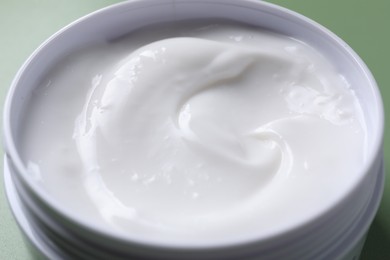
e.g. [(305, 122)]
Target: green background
[(364, 25)]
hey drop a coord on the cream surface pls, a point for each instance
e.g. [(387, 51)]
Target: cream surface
[(195, 133)]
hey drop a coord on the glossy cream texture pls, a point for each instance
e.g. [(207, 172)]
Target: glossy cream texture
[(195, 133)]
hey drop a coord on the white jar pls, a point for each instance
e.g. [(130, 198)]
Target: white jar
[(337, 234)]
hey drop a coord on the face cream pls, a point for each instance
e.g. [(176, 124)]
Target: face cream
[(238, 130), (199, 131)]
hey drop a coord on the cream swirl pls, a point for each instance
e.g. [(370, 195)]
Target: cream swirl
[(181, 122)]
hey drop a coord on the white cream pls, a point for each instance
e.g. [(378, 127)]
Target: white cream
[(195, 132)]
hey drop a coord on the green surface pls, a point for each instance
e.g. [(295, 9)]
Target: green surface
[(362, 24)]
